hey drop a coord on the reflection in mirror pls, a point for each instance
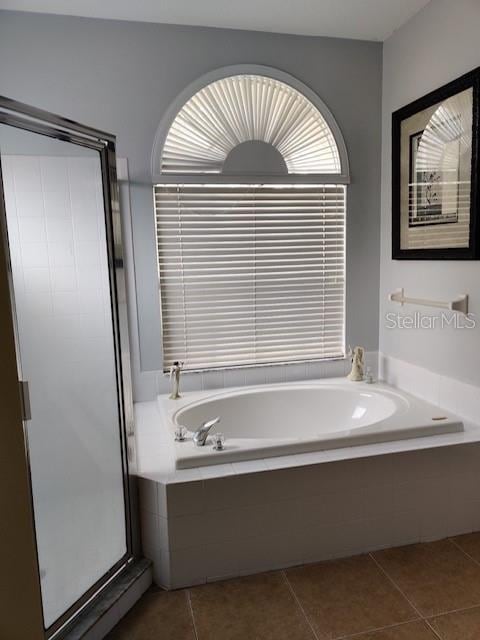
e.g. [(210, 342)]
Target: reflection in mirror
[(436, 168)]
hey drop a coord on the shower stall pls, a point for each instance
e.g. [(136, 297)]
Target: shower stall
[(60, 222)]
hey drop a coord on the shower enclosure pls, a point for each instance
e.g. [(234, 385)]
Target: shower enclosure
[(59, 219)]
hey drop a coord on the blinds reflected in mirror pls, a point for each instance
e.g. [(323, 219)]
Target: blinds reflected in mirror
[(439, 160), (251, 274)]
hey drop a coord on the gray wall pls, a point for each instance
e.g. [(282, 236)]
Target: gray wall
[(436, 46), (122, 76)]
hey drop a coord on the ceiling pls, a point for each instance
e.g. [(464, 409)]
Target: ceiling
[(359, 19)]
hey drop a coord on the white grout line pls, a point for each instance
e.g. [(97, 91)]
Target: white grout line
[(434, 631), (295, 597), (189, 600), (447, 613), (378, 629)]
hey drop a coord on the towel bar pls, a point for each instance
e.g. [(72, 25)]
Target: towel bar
[(460, 303)]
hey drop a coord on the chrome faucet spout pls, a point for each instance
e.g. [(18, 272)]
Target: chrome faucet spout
[(201, 434)]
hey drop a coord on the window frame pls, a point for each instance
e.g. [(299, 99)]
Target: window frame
[(247, 69), (338, 179)]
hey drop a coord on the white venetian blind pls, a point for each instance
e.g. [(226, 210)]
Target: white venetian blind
[(251, 274)]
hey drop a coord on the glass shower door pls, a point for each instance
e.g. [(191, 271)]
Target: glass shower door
[(61, 244)]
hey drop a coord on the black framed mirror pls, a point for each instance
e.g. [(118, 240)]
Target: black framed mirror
[(435, 174)]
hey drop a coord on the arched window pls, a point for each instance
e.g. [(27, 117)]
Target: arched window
[(250, 170)]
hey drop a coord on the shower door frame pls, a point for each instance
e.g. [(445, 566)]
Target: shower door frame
[(26, 117)]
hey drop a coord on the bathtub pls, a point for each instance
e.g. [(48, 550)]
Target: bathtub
[(292, 418)]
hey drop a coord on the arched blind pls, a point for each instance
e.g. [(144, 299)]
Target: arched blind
[(251, 274), (245, 107)]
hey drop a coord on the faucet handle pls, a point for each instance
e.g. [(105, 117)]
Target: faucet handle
[(218, 441), (180, 433)]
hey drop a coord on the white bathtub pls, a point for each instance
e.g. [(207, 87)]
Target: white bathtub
[(284, 419)]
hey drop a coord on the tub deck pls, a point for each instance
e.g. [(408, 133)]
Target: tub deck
[(319, 427)]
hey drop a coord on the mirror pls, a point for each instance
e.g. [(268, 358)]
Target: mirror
[(434, 176)]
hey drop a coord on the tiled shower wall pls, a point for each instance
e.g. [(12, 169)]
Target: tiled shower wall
[(56, 235), (56, 231)]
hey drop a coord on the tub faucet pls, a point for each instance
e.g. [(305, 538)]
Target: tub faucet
[(201, 434), (175, 371)]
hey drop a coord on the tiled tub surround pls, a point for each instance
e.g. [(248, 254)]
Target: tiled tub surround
[(451, 394), (149, 384), (209, 523), (301, 417)]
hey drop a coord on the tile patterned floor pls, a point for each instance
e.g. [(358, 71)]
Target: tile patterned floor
[(418, 592)]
